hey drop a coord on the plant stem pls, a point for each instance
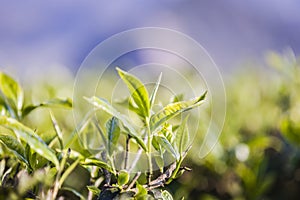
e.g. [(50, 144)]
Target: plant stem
[(126, 152), (149, 150)]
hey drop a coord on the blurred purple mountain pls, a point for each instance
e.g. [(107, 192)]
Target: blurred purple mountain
[(45, 33)]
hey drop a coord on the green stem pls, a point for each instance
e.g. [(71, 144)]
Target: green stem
[(175, 171), (149, 151)]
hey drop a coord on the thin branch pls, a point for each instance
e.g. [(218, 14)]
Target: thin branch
[(135, 178), (107, 175), (139, 153), (126, 152)]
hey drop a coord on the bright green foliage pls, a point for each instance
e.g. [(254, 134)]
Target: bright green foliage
[(56, 166), (182, 137), (174, 109), (11, 94), (27, 135), (123, 177), (138, 92), (105, 106)]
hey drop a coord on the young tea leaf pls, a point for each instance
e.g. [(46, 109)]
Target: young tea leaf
[(166, 195), (96, 191), (98, 163), (57, 130), (105, 106), (138, 91), (153, 94), (174, 109), (182, 137), (163, 141), (142, 192), (12, 94), (56, 102), (113, 133), (15, 146), (28, 136), (123, 177)]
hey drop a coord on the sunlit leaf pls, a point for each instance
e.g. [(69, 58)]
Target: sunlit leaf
[(182, 137), (174, 109), (142, 192), (55, 102), (163, 141), (177, 98), (57, 130), (98, 163), (105, 106), (153, 94), (12, 94), (113, 133), (138, 91), (123, 177), (96, 191), (166, 195), (128, 103), (30, 137)]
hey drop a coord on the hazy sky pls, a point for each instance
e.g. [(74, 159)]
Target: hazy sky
[(45, 33)]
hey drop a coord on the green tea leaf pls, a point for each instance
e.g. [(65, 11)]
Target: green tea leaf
[(113, 132), (57, 130), (160, 162), (98, 163), (12, 94), (154, 92), (138, 91), (80, 196), (55, 102), (166, 195), (174, 109), (142, 192), (96, 191), (182, 136), (177, 98), (15, 146), (105, 106), (68, 171), (163, 141), (123, 177), (30, 137), (128, 103)]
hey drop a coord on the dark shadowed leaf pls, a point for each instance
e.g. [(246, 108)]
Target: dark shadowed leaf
[(15, 146)]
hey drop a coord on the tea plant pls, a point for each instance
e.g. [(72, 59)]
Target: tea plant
[(33, 168)]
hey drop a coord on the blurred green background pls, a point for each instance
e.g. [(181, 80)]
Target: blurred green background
[(256, 45)]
